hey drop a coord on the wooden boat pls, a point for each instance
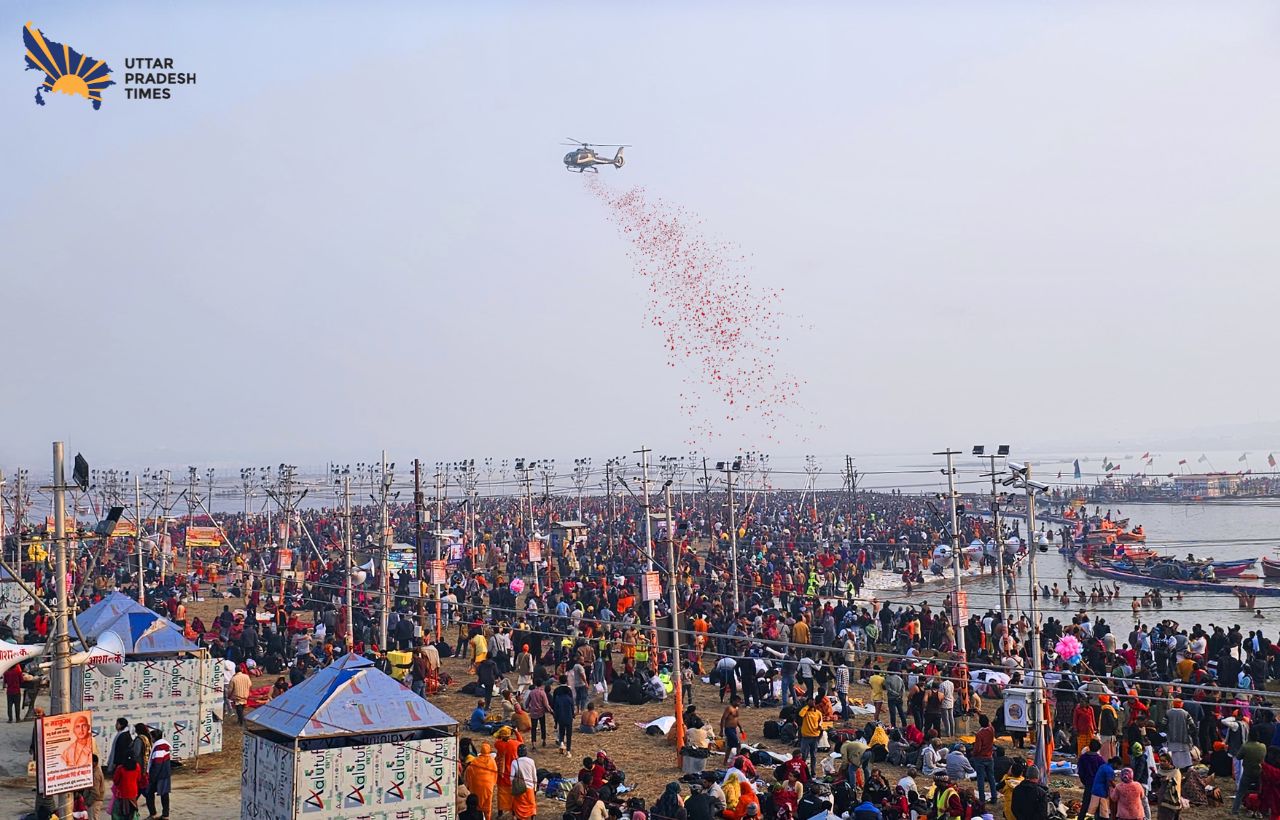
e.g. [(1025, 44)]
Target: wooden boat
[(1270, 569), (1232, 569), (1104, 571)]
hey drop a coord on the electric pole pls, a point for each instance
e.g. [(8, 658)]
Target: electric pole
[(997, 528), (851, 476), (1037, 674), (608, 488), (581, 475), (418, 512), (20, 504), (439, 557), (730, 469), (191, 512), (648, 526), (60, 683), (955, 546), (346, 551), (385, 541), (137, 538), (673, 600)]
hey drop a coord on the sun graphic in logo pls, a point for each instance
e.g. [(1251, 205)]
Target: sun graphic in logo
[(65, 70)]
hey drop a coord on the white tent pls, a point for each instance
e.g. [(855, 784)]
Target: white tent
[(166, 682), (349, 741)]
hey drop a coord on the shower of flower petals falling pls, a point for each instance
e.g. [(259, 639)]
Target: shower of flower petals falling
[(722, 331)]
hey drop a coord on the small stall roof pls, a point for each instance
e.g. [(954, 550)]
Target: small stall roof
[(347, 697), (569, 525)]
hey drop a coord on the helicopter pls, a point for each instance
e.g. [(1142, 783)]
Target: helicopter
[(586, 159)]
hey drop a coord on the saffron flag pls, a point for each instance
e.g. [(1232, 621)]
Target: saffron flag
[(1243, 457), (1203, 458), (1146, 455), (1181, 461), (1271, 459)]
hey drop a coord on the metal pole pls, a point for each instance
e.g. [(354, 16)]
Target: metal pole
[(706, 488), (528, 488), (418, 510), (1037, 676), (648, 527), (733, 540), (439, 557), (191, 512), (853, 496), (60, 689), (137, 539), (608, 482), (672, 577), (19, 513), (999, 539), (386, 555), (955, 547), (346, 551)]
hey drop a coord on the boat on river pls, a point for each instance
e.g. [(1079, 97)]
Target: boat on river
[(1270, 568), (1104, 570), (1232, 569)]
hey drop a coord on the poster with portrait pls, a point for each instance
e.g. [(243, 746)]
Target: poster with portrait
[(65, 747)]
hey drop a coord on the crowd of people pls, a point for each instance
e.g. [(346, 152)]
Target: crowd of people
[(1150, 718)]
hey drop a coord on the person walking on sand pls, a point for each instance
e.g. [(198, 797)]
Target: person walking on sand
[(480, 777), (524, 778)]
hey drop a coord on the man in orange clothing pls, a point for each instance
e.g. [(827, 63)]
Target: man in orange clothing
[(508, 749)]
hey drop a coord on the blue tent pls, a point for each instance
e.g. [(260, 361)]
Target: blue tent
[(142, 631), (347, 697)]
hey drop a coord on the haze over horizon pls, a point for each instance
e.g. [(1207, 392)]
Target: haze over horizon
[(1044, 225)]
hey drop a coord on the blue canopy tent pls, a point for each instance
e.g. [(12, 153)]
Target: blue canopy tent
[(142, 631), (166, 682), (349, 733)]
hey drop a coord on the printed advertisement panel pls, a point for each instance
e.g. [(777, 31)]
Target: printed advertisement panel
[(203, 537), (165, 693), (65, 752), (413, 779), (266, 780)]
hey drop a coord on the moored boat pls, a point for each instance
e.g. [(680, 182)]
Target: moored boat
[(1113, 573), (1232, 569), (1270, 569)]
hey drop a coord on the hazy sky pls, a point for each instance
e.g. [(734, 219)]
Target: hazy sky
[(1024, 222)]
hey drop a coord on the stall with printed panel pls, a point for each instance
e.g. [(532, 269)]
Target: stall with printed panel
[(14, 602), (349, 742), (166, 682)]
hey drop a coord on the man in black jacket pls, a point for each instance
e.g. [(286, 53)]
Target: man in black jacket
[(699, 806), (1030, 800)]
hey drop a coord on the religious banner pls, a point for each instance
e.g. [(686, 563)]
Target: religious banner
[(204, 537), (650, 587), (64, 752)]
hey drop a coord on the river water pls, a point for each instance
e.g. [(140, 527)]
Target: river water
[(1221, 531)]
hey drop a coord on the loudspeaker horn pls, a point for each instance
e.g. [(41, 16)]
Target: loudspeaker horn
[(107, 656), (12, 654)]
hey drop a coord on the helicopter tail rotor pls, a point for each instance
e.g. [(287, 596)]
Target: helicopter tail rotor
[(617, 159)]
